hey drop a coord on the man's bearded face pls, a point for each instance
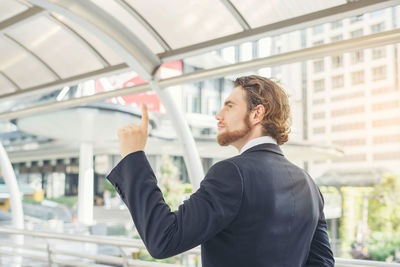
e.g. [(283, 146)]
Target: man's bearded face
[(227, 137)]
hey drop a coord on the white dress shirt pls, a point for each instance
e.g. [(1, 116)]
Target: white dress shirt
[(257, 141)]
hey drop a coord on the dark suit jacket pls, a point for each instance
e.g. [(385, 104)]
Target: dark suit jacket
[(255, 209)]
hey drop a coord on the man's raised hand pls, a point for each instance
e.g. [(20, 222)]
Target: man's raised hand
[(133, 137)]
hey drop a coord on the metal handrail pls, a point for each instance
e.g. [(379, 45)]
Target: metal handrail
[(100, 240), (340, 262), (120, 242)]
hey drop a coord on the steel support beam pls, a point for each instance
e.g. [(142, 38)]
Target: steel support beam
[(10, 81), (374, 40), (136, 54), (80, 38), (49, 87), (145, 24), (32, 54), (107, 28), (190, 153), (20, 18), (236, 14), (352, 8)]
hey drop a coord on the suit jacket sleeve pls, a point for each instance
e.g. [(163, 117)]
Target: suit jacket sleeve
[(320, 254), (209, 210)]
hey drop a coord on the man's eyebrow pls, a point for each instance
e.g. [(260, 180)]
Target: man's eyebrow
[(227, 102)]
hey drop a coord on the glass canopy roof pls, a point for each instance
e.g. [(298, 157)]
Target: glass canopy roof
[(47, 44)]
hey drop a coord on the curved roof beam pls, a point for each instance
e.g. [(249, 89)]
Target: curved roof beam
[(27, 50), (22, 17), (92, 49), (136, 54), (351, 8), (145, 24), (363, 42), (236, 14), (10, 81), (47, 87)]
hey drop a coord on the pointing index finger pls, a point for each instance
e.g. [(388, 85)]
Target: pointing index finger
[(145, 116)]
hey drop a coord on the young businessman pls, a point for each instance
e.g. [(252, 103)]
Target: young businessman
[(254, 209)]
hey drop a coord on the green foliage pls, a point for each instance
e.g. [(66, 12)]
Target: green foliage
[(384, 218), (384, 206), (144, 255), (117, 230), (70, 201), (383, 246), (174, 191), (110, 187), (29, 200)]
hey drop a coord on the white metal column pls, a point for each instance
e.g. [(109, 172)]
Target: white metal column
[(85, 184), (11, 182), (17, 212), (139, 57), (191, 155)]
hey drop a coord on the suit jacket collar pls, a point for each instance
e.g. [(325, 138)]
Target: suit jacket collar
[(266, 147)]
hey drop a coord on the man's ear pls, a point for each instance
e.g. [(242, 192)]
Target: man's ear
[(258, 113)]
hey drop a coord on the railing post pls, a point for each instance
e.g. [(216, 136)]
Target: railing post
[(49, 254), (124, 257)]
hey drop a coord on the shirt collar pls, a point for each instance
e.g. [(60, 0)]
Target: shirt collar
[(257, 141)]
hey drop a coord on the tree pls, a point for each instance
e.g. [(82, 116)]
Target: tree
[(384, 219)]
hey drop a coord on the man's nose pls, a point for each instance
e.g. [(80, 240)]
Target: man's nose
[(218, 115)]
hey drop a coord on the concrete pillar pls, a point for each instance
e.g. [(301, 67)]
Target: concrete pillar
[(85, 184)]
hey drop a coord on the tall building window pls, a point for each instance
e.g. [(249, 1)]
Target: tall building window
[(193, 98), (319, 115), (379, 73), (348, 126), (377, 13), (320, 42), (318, 29), (357, 56), (357, 77), (386, 122), (356, 19), (264, 47), (318, 101), (319, 130), (378, 52), (276, 73), (336, 24), (380, 27), (246, 51), (276, 44), (337, 61), (319, 85), (228, 54), (356, 33), (336, 38), (318, 66), (337, 81)]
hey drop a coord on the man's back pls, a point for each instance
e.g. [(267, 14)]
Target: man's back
[(256, 209), (278, 215)]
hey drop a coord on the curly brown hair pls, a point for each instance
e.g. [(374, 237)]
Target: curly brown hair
[(260, 90)]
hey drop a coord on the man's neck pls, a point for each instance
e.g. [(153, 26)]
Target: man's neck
[(257, 141), (239, 144)]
